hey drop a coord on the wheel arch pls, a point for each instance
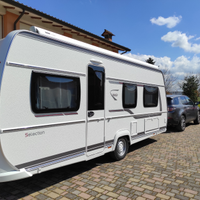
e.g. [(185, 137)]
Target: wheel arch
[(184, 114), (121, 134)]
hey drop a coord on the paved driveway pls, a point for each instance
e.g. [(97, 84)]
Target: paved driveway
[(166, 166)]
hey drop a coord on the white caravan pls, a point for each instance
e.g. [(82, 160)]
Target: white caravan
[(63, 101)]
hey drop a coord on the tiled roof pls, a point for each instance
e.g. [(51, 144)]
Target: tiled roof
[(54, 19)]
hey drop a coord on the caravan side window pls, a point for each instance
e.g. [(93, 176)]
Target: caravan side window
[(129, 95), (150, 96), (52, 93)]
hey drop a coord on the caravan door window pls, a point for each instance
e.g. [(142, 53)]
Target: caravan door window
[(96, 76), (129, 95), (150, 96), (52, 93)]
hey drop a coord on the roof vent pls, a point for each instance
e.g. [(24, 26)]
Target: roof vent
[(107, 35)]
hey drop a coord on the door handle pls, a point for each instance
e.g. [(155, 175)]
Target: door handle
[(90, 114)]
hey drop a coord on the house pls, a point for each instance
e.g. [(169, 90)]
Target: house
[(14, 15)]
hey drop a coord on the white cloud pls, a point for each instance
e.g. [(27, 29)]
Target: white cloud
[(162, 62), (179, 67), (170, 22), (181, 40), (186, 65)]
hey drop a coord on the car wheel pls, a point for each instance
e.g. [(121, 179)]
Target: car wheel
[(181, 126), (121, 149), (197, 120)]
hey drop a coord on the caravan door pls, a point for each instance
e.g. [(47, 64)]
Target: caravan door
[(95, 110)]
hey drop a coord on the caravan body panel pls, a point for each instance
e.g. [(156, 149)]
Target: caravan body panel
[(42, 137)]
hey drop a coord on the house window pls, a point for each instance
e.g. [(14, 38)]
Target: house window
[(150, 96), (129, 95), (52, 93)]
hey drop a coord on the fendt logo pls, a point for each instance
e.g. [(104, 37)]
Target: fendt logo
[(34, 134), (114, 94)]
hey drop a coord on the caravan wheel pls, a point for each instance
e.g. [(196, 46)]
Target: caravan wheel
[(121, 149)]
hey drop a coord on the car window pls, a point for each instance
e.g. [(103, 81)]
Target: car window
[(189, 101), (175, 101), (172, 101), (183, 100)]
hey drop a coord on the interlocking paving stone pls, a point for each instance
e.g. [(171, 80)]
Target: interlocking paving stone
[(166, 166)]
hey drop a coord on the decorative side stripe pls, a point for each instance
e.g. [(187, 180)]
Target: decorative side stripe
[(119, 110), (109, 142), (76, 122), (29, 166), (40, 126), (136, 116), (132, 82), (96, 119), (142, 134), (58, 71), (147, 115), (95, 146), (53, 162), (44, 162)]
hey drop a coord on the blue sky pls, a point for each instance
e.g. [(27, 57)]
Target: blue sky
[(166, 30)]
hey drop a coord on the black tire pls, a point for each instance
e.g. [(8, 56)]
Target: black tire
[(121, 149), (197, 120), (181, 126)]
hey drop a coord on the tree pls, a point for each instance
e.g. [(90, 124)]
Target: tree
[(150, 61), (190, 87), (199, 82), (170, 79)]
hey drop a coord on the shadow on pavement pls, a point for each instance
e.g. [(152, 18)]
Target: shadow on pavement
[(22, 188), (141, 144), (171, 129)]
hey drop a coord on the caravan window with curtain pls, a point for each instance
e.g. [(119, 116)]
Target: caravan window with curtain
[(150, 96), (52, 93)]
